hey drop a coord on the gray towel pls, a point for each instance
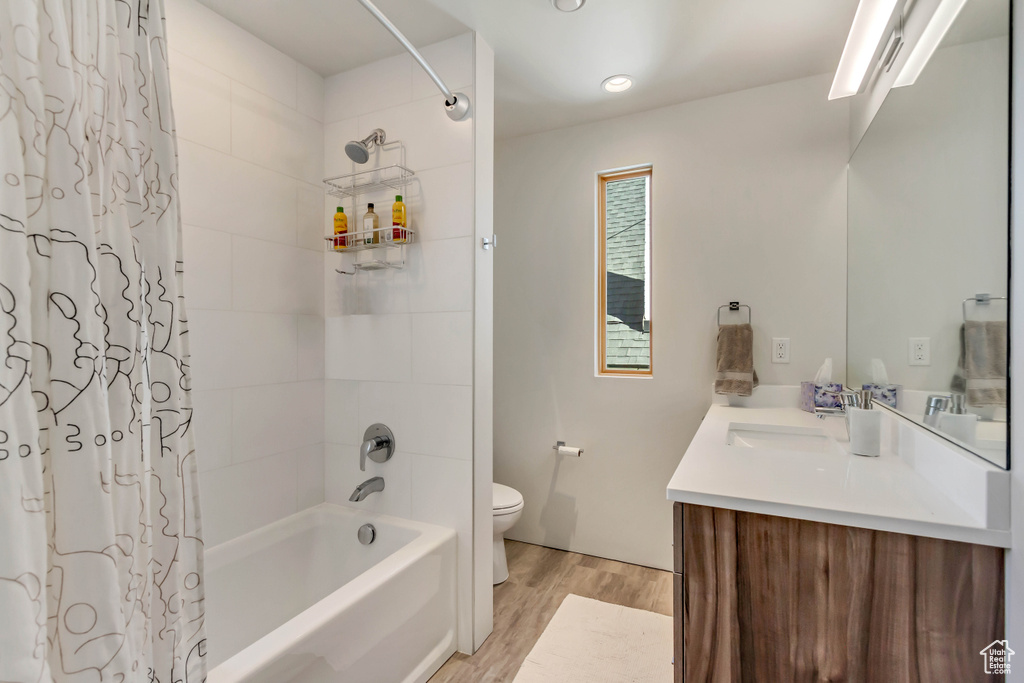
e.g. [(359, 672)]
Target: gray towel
[(735, 372), (981, 369)]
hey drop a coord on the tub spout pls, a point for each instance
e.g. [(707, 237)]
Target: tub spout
[(366, 488)]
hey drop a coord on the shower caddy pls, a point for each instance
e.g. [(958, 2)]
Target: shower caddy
[(387, 253)]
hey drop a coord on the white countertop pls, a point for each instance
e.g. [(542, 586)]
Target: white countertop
[(920, 485)]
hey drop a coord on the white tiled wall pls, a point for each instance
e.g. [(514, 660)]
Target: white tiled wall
[(270, 318), (250, 141), (400, 343)]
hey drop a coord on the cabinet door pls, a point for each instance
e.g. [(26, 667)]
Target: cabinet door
[(768, 599)]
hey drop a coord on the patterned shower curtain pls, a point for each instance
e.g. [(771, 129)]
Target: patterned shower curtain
[(100, 538)]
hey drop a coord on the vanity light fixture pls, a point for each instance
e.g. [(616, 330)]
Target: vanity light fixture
[(866, 33), (933, 34), (617, 83), (568, 5)]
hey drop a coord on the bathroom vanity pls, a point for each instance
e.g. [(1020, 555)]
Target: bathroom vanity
[(796, 560)]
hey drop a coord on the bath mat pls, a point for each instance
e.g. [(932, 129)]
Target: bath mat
[(589, 641)]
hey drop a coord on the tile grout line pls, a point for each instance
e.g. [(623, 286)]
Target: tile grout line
[(228, 76), (374, 112), (254, 239), (304, 181)]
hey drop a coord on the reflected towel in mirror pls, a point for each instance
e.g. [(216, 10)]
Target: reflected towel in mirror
[(981, 369)]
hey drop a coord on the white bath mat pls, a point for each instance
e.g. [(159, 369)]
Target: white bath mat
[(589, 641)]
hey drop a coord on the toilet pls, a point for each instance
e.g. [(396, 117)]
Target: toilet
[(508, 506)]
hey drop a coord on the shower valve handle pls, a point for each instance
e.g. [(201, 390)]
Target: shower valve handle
[(378, 445)]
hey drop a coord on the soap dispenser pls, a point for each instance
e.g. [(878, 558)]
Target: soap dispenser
[(865, 427), (957, 422)]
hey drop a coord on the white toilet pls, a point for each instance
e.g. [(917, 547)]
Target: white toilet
[(508, 506)]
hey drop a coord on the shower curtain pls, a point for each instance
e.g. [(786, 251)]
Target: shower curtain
[(100, 538)]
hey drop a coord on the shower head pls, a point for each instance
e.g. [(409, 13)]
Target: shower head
[(359, 150)]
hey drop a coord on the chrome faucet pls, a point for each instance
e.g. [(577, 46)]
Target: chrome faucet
[(940, 403), (373, 485), (372, 444), (847, 398), (378, 445)]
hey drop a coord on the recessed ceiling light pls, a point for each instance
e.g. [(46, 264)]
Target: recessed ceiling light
[(617, 83), (568, 5)]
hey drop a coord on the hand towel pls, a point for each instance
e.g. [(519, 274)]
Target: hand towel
[(981, 369), (735, 370)]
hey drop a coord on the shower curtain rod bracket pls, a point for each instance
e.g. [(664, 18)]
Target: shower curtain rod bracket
[(458, 109)]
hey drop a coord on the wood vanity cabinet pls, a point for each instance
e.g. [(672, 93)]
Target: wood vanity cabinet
[(762, 599)]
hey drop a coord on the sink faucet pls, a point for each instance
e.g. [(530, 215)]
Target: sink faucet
[(369, 486), (940, 403), (847, 398), (822, 413)]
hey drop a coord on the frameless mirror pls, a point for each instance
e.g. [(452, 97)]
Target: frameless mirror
[(929, 240)]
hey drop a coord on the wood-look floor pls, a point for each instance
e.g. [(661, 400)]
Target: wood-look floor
[(539, 579)]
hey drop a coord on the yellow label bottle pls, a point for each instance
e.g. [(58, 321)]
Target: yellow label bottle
[(371, 226), (398, 221), (340, 229)]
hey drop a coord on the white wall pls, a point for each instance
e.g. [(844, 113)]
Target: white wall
[(400, 343), (928, 221), (483, 348), (749, 204), (250, 148), (1015, 556)]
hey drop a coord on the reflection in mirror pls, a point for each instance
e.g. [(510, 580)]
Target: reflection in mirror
[(928, 239)]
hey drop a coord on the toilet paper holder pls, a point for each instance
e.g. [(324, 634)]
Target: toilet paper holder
[(559, 444)]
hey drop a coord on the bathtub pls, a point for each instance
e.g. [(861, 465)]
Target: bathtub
[(301, 600)]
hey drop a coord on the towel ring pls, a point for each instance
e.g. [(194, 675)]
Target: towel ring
[(981, 300), (735, 306)]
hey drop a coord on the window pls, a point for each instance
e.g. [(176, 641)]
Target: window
[(624, 272)]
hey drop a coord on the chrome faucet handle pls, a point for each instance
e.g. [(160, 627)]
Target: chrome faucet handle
[(378, 445)]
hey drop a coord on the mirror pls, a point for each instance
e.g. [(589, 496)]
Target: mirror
[(929, 239)]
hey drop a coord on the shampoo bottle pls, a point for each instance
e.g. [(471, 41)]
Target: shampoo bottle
[(340, 229), (371, 226), (399, 221)]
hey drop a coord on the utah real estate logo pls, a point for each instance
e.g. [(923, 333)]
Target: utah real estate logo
[(997, 657)]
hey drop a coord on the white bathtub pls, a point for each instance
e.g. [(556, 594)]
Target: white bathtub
[(302, 600)]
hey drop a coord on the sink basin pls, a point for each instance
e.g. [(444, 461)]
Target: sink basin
[(779, 438)]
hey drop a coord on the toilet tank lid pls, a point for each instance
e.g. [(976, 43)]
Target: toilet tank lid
[(506, 497)]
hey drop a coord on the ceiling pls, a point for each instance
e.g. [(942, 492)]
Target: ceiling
[(550, 64), (331, 36)]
